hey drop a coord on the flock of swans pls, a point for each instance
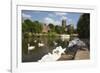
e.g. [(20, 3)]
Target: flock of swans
[(58, 51), (33, 47)]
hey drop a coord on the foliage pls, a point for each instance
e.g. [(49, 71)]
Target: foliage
[(71, 29), (37, 26), (29, 26), (58, 29), (52, 34), (83, 26), (52, 27)]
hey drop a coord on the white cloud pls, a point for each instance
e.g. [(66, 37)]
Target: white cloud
[(26, 16), (51, 15), (48, 20), (64, 17), (58, 22), (60, 13)]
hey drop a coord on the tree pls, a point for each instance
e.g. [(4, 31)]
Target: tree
[(58, 29), (52, 27), (33, 27), (70, 29), (83, 26), (24, 27), (37, 26), (27, 26)]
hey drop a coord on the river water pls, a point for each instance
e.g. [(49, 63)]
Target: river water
[(50, 43)]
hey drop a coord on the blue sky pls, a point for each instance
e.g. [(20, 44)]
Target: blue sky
[(51, 17)]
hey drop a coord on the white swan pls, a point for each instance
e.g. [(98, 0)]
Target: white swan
[(55, 43), (56, 54), (59, 50), (46, 57), (35, 41), (40, 44), (30, 48)]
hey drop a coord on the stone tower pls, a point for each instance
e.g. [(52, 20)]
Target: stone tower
[(64, 23)]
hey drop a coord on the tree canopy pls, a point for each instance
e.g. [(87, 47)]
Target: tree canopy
[(83, 26), (29, 26)]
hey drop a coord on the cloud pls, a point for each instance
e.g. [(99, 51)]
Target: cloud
[(51, 15), (60, 13), (26, 16), (49, 20), (54, 14), (57, 22), (64, 17)]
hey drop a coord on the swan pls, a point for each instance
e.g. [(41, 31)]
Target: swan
[(59, 50), (30, 47), (54, 56), (40, 44), (35, 41), (47, 57), (55, 43)]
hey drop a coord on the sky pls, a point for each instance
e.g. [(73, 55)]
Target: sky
[(51, 17)]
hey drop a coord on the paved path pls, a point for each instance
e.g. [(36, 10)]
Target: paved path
[(80, 55)]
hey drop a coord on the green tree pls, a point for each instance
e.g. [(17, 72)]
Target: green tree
[(37, 26), (24, 27), (27, 26), (83, 26), (70, 29), (52, 27), (58, 29), (33, 27)]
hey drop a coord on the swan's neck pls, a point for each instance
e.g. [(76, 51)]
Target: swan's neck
[(28, 45)]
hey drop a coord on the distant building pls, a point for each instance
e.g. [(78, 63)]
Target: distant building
[(64, 24), (69, 26), (45, 28), (66, 27)]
